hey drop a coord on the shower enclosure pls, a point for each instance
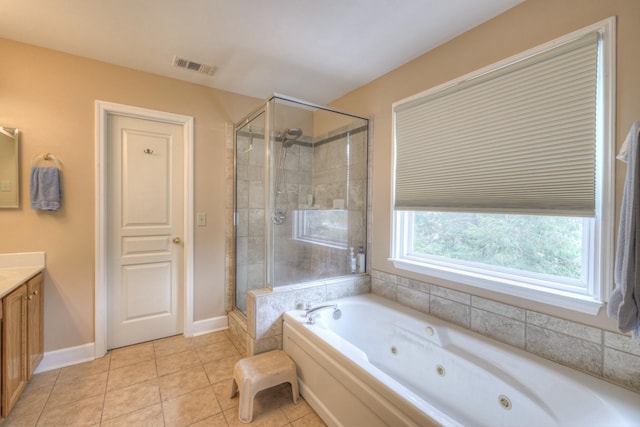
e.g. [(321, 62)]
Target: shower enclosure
[(300, 195)]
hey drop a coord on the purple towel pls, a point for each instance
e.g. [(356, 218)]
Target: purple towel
[(46, 188)]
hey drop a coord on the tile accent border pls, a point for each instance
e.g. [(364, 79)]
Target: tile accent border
[(609, 356)]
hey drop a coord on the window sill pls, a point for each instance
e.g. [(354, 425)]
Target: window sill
[(566, 300)]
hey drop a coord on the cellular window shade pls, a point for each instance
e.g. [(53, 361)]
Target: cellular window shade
[(518, 139)]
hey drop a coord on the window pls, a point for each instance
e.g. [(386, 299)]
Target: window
[(503, 179), (322, 227)]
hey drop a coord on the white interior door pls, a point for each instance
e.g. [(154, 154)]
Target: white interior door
[(144, 230)]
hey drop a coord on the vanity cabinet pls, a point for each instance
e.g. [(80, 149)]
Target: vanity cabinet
[(22, 339), (35, 319), (14, 347)]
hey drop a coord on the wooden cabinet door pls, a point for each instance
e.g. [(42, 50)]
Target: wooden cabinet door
[(35, 336), (14, 341)]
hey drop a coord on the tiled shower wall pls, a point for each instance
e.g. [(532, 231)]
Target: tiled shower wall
[(340, 174), (291, 257), (332, 168), (229, 235), (610, 356), (250, 192)]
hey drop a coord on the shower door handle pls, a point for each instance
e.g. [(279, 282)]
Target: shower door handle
[(176, 240)]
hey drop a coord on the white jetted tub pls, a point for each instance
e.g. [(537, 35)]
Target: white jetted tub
[(382, 364)]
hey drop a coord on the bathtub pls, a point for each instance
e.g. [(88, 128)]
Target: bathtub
[(383, 364)]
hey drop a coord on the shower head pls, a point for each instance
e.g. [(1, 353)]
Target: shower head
[(290, 135)]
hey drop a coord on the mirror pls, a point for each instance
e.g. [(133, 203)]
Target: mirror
[(9, 188)]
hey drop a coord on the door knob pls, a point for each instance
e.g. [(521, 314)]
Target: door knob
[(176, 240)]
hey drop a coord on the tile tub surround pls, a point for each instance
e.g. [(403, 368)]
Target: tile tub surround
[(607, 355), (265, 308)]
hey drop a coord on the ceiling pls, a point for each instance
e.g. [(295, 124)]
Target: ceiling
[(316, 50)]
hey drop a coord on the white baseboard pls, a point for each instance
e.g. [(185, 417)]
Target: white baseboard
[(86, 352), (66, 357), (212, 324)]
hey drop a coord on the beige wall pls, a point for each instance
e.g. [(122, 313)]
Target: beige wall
[(532, 23), (50, 96)]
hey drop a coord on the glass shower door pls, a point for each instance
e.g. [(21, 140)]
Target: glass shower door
[(250, 209), (317, 192), (301, 195)]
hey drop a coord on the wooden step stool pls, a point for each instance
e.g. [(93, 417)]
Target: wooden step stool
[(259, 372)]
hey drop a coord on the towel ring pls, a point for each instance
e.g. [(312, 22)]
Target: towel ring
[(47, 157)]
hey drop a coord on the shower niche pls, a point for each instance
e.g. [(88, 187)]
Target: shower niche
[(300, 195)]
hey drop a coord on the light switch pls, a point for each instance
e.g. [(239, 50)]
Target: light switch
[(201, 219), (5, 186)]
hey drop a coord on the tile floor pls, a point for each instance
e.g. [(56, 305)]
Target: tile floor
[(174, 381)]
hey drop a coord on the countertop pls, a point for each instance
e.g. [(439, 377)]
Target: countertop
[(11, 278), (17, 268)]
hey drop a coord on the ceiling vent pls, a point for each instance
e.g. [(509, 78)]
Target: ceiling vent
[(193, 66)]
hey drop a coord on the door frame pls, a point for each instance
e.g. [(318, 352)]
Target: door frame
[(102, 110)]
